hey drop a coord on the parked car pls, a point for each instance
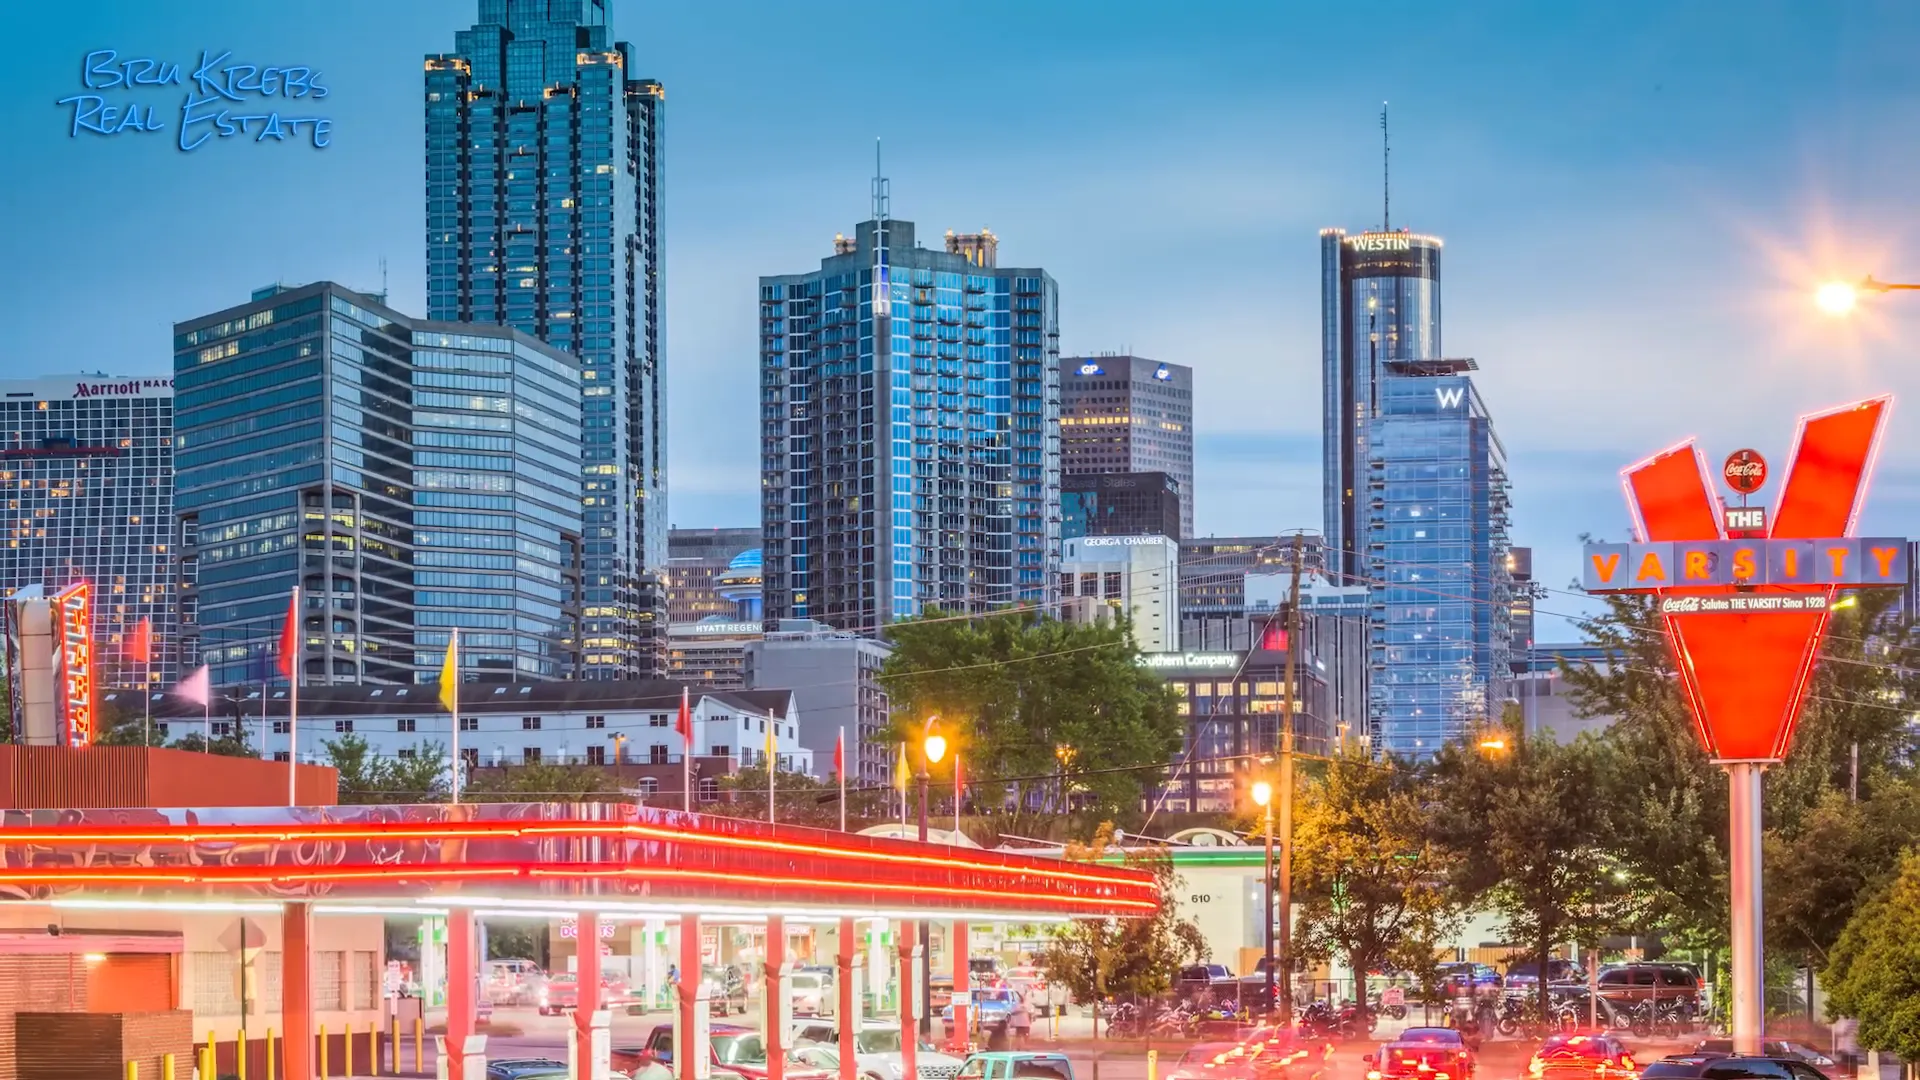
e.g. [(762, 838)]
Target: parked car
[(876, 1052), (1527, 973), (1215, 979), (736, 1049), (1426, 1052), (1582, 1057), (726, 989), (1719, 1067), (1481, 975), (1771, 1048), (985, 971), (812, 994), (1017, 1065), (528, 1069), (562, 992), (1634, 983), (991, 1009), (511, 981)]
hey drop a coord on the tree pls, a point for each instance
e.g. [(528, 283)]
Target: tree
[(367, 777), (419, 777), (1873, 974), (1840, 851), (1367, 869), (800, 799), (1132, 958), (119, 724), (1046, 707), (1525, 825), (359, 769), (542, 782), (225, 745)]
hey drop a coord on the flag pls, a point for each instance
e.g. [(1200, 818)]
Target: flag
[(450, 672), (290, 638), (772, 727), (901, 773), (684, 725), (140, 646), (840, 757), (194, 688)]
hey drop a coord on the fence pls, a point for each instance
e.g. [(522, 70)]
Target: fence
[(364, 1051)]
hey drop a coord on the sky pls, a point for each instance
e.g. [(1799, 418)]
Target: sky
[(1637, 200)]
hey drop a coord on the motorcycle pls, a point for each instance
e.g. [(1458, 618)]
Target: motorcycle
[(1353, 1021), (1317, 1020), (1398, 1012)]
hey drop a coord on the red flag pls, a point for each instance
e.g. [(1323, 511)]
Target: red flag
[(839, 758), (685, 723), (290, 637), (958, 786), (140, 647)]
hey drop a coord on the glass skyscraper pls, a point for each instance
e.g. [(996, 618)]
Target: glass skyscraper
[(543, 213), (410, 476), (1379, 302), (1436, 548), (1125, 414), (910, 431), (86, 472)]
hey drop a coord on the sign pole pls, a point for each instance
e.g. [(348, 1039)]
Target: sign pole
[(1743, 863)]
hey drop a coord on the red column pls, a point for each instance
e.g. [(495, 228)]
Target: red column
[(463, 972), (909, 1023), (962, 1014), (689, 991), (848, 1010), (586, 945), (296, 990), (776, 958)]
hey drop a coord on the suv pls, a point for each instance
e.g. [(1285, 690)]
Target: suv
[(1716, 1067), (1022, 1065), (1631, 984), (1771, 1048)]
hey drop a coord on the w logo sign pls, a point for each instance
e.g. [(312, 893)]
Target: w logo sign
[(1450, 396)]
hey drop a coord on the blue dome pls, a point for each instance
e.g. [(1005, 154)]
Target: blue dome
[(746, 560)]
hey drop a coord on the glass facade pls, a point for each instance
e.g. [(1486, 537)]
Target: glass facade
[(1128, 414), (86, 468), (409, 476), (543, 193), (910, 448), (1119, 504), (1437, 552), (1233, 703)]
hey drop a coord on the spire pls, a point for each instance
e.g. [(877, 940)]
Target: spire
[(1386, 174), (882, 285)]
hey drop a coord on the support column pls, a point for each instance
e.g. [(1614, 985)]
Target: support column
[(776, 997), (909, 997), (849, 1009), (685, 1067), (296, 989), (586, 976), (962, 1014), (463, 972), (1743, 866)]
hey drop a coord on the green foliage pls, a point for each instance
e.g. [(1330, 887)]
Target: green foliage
[(1025, 698), (1367, 866), (367, 777), (1839, 851), (119, 724), (1128, 958), (800, 799), (1874, 969), (226, 745), (541, 782)]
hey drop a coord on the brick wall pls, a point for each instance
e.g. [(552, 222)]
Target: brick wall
[(97, 1046), (35, 984)]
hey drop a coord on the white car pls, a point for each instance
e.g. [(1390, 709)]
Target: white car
[(812, 994), (876, 1052)]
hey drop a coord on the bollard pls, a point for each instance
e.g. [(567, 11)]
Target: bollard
[(271, 1067), (133, 1070), (166, 1067), (323, 1050), (393, 1045), (346, 1047), (419, 1045), (1153, 1065), (373, 1047), (240, 1055)]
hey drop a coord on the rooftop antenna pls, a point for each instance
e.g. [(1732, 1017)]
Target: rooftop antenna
[(383, 279), (882, 288), (1386, 174)]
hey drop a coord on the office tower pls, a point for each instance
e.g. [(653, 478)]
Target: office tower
[(1232, 701), (86, 465), (835, 679), (704, 564), (1379, 303), (1138, 576), (1124, 414), (543, 214), (1119, 504), (1214, 571), (410, 476), (909, 436), (1436, 548), (1525, 592)]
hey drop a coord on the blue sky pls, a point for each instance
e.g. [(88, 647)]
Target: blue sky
[(1636, 198)]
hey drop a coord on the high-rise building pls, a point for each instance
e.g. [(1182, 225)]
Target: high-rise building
[(909, 432), (410, 476), (713, 572), (1379, 303), (1436, 548), (1128, 414), (1233, 701), (543, 214), (1213, 580), (1135, 575), (835, 678), (86, 467), (1119, 504)]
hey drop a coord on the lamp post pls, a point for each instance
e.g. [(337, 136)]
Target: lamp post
[(1263, 798), (1840, 297), (933, 747)]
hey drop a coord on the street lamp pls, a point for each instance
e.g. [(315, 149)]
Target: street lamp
[(933, 747), (1840, 297), (1263, 798)]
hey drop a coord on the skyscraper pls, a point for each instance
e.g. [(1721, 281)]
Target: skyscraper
[(86, 472), (704, 574), (910, 449), (1119, 504), (1436, 551), (1123, 414), (543, 213), (1379, 303), (410, 476)]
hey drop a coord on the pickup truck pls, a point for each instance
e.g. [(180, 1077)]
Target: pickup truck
[(1016, 1065)]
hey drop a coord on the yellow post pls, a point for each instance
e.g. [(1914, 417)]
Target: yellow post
[(133, 1070), (419, 1045), (166, 1067), (1153, 1065), (270, 1061), (393, 1044), (373, 1047), (323, 1050), (240, 1057), (346, 1047), (208, 1056)]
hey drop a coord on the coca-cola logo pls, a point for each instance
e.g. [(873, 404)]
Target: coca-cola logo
[(1746, 471)]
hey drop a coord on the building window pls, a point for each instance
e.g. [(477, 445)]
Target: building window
[(469, 723), (656, 754), (407, 752), (596, 755), (222, 729), (596, 721), (163, 730), (529, 723), (709, 789), (721, 751), (470, 756), (648, 786), (279, 755), (280, 727), (530, 755), (1113, 587), (405, 723), (657, 720), (344, 726)]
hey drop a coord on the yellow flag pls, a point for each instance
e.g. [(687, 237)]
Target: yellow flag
[(450, 671), (901, 774), (770, 743)]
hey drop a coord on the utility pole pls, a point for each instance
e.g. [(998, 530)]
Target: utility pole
[(1287, 702)]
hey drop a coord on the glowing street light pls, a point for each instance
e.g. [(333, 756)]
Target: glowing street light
[(1841, 297), (1262, 793), (1493, 746)]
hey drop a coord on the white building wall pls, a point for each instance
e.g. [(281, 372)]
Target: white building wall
[(1148, 569)]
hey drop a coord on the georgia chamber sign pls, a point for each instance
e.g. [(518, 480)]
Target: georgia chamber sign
[(224, 99)]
